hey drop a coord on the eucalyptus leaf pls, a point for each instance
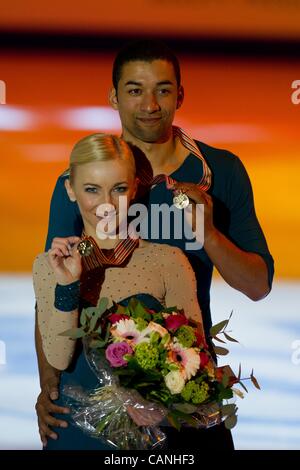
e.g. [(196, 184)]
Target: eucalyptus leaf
[(83, 318), (95, 317), (254, 381), (229, 409), (220, 351), (242, 385), (215, 329), (229, 338), (74, 333), (102, 306), (172, 418), (230, 422), (185, 407), (219, 339)]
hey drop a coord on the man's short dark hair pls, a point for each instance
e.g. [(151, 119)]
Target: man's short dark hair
[(145, 50)]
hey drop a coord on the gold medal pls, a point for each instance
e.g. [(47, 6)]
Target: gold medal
[(181, 200), (85, 247)]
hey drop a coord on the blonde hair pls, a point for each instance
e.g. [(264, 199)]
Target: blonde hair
[(99, 148)]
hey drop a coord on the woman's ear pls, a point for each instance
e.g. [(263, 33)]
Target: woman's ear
[(113, 99), (69, 190)]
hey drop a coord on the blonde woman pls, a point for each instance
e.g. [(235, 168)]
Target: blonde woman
[(102, 168)]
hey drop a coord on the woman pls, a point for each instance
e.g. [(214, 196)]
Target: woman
[(116, 266)]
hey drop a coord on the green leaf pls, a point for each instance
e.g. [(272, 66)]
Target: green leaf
[(215, 329), (240, 371), (219, 339), (74, 333), (225, 380), (254, 381), (229, 338), (102, 306), (97, 343), (242, 385), (220, 351), (83, 318), (228, 410), (231, 421), (185, 407), (89, 311), (172, 418)]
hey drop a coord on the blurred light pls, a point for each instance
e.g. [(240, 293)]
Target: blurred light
[(233, 132), (99, 118), (15, 119)]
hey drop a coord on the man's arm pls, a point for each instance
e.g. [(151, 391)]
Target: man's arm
[(241, 255), (246, 272)]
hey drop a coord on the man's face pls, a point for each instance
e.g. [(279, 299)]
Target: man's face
[(147, 98)]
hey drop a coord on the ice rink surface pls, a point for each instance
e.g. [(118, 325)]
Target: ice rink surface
[(269, 341)]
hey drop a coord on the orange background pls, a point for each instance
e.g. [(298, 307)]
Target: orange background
[(242, 105), (213, 18)]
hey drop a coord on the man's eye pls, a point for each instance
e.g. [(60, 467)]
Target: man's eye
[(91, 190), (164, 91), (135, 91)]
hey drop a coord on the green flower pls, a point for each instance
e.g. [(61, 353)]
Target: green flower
[(186, 336), (146, 355), (141, 324), (195, 393)]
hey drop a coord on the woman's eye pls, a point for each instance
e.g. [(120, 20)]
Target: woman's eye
[(121, 189), (91, 190)]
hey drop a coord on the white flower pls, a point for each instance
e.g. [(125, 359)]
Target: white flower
[(187, 358), (126, 330), (174, 381)]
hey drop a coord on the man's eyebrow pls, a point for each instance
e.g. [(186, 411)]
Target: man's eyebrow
[(163, 82)]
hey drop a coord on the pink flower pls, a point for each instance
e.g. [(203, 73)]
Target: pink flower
[(114, 353), (115, 317), (173, 322)]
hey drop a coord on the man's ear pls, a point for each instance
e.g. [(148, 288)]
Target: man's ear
[(180, 97), (69, 190), (113, 99)]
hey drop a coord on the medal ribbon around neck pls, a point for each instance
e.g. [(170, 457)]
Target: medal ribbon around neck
[(93, 256), (180, 199)]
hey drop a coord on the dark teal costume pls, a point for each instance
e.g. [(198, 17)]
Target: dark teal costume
[(234, 216)]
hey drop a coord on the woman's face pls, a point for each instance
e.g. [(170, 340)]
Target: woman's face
[(97, 188)]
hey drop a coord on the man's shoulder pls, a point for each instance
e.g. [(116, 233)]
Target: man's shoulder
[(217, 155)]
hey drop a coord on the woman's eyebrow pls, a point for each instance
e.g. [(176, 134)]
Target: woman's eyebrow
[(91, 184)]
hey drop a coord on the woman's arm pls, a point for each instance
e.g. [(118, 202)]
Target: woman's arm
[(180, 282), (51, 322)]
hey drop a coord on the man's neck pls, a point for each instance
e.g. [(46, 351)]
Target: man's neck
[(164, 156)]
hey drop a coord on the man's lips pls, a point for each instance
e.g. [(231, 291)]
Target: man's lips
[(149, 120)]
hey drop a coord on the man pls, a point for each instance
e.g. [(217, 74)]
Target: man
[(146, 92)]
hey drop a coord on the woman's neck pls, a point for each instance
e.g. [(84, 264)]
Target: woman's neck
[(107, 243)]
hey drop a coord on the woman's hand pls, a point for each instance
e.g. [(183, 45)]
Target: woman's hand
[(65, 260)]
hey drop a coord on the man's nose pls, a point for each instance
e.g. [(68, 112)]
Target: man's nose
[(149, 103)]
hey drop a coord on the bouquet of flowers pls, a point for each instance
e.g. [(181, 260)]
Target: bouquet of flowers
[(153, 368)]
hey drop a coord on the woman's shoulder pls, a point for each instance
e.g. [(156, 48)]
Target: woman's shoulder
[(161, 249)]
